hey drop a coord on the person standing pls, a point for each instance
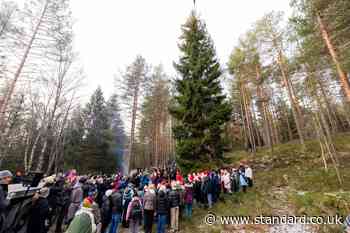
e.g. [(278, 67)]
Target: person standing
[(134, 214), (39, 212), (63, 203), (249, 175), (234, 180), (127, 197), (5, 180), (75, 200), (83, 221), (162, 208), (242, 181), (117, 211), (149, 203), (226, 181), (106, 210), (188, 199), (174, 200)]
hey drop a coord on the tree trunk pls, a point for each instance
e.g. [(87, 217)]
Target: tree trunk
[(19, 70), (292, 98), (133, 125), (344, 81), (31, 157)]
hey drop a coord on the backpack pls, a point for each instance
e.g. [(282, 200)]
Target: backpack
[(136, 211)]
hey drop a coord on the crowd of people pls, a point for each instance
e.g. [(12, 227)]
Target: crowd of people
[(152, 200)]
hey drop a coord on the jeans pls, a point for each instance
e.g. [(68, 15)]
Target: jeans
[(162, 218), (210, 200), (188, 210), (116, 219)]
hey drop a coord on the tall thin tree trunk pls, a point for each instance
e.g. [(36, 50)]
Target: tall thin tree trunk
[(133, 125), (292, 98), (344, 81), (21, 65), (32, 153)]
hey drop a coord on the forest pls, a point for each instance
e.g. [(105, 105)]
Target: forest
[(287, 81)]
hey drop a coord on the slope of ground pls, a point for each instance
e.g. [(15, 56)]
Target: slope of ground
[(289, 181)]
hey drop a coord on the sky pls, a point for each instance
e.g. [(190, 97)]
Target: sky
[(109, 34)]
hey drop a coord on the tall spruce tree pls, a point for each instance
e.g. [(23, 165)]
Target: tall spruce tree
[(97, 138), (200, 107)]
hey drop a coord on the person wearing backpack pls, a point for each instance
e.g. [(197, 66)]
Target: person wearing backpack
[(127, 197), (83, 221), (117, 210), (134, 214)]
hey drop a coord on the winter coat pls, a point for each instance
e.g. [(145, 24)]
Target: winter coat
[(249, 173), (75, 200), (38, 214), (106, 210), (149, 200), (117, 202), (174, 198), (162, 203), (179, 178), (131, 205), (144, 181), (83, 222), (242, 180), (77, 194), (96, 212), (227, 181), (207, 186), (127, 196), (188, 194), (86, 189), (3, 201)]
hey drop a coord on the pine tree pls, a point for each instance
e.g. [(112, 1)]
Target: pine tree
[(200, 107)]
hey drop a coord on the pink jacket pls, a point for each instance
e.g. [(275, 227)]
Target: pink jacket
[(128, 212)]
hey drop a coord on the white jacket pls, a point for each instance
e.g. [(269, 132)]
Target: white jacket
[(249, 173)]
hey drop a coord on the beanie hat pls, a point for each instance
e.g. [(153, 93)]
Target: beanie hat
[(5, 173), (108, 192), (87, 203)]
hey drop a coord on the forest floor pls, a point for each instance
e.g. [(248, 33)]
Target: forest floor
[(288, 181)]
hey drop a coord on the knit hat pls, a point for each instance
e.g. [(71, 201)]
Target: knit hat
[(87, 203), (108, 192), (44, 192), (5, 173)]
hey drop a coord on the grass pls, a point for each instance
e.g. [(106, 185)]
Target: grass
[(312, 191)]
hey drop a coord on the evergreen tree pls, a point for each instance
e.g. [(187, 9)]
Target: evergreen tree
[(89, 138), (75, 138), (200, 107)]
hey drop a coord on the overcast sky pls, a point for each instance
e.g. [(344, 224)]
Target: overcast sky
[(110, 33)]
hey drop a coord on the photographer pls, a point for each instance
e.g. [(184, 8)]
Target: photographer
[(5, 180), (39, 212)]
